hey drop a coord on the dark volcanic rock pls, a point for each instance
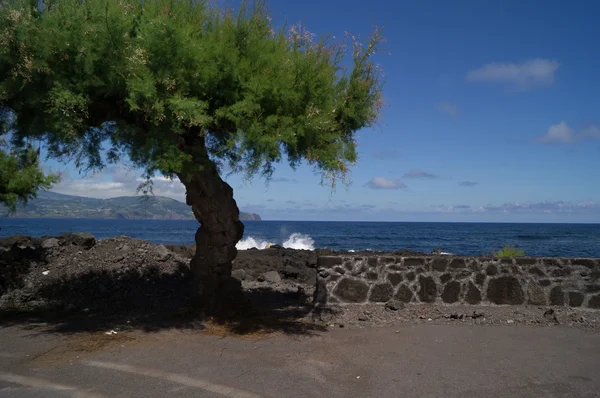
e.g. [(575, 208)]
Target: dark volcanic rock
[(451, 292), (575, 299), (320, 295), (112, 275), (238, 274), (404, 294), (340, 270), (372, 276), (295, 265), (557, 297), (122, 274), (395, 278), (445, 278), (272, 277), (394, 305), (439, 264), (586, 262), (480, 279), (463, 274), (182, 250), (326, 261), (536, 271), (525, 260), (558, 272), (428, 289), (17, 255), (594, 302), (50, 243), (351, 290), (458, 263), (505, 290), (21, 248), (82, 239), (592, 288), (475, 265), (537, 296), (473, 295), (381, 292), (414, 261), (492, 270)]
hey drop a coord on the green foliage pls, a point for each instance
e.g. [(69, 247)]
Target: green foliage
[(508, 251), (20, 175), (178, 85)]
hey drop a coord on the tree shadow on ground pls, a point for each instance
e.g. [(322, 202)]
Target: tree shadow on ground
[(151, 300), (15, 264)]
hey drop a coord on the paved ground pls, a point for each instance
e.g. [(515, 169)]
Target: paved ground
[(414, 361)]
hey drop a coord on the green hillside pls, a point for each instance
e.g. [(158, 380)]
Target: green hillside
[(55, 205)]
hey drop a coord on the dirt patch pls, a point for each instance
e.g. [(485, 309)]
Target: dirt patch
[(369, 315), (79, 346)]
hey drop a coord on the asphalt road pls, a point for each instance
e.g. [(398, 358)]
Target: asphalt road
[(416, 361)]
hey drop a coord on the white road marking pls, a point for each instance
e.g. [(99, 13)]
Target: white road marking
[(46, 384), (226, 391)]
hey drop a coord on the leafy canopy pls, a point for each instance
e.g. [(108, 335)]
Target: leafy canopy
[(155, 78), (20, 175)]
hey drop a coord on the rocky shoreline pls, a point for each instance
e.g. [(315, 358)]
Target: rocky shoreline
[(122, 280)]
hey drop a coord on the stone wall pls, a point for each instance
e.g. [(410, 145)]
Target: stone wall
[(375, 278)]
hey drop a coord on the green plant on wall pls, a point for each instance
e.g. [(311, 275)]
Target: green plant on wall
[(509, 251)]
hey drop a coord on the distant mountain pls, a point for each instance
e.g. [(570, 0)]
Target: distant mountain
[(56, 205)]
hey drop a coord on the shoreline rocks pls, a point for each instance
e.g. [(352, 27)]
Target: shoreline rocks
[(122, 275)]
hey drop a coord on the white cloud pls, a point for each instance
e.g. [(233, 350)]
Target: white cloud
[(561, 133), (448, 108), (384, 183), (513, 211), (419, 174), (116, 182), (533, 73), (590, 132), (524, 208), (468, 183), (542, 207), (91, 187)]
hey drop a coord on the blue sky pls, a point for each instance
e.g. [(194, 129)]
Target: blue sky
[(493, 114)]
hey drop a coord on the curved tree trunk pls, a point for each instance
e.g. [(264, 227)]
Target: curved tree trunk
[(212, 202)]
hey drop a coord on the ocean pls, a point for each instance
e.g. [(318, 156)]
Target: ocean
[(468, 239)]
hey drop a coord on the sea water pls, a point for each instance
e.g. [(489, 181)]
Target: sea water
[(469, 239)]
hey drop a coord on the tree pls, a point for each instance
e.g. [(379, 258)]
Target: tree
[(20, 175), (182, 88)]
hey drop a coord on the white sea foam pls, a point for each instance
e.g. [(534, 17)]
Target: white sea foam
[(251, 242), (294, 241), (299, 241)]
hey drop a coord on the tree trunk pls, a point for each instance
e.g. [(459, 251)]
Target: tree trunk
[(211, 199)]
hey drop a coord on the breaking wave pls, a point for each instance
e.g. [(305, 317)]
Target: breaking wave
[(300, 242), (251, 242), (294, 241)]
